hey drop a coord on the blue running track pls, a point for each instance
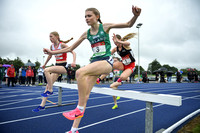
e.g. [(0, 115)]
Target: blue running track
[(16, 104)]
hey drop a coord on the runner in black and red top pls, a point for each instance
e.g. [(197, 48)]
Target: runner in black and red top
[(127, 65)]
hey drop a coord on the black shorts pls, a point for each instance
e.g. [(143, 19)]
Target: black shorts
[(108, 59), (65, 65)]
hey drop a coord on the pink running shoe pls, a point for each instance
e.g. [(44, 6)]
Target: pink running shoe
[(71, 132), (98, 81), (74, 114)]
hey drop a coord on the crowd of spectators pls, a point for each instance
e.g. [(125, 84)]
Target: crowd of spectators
[(29, 75), (24, 76)]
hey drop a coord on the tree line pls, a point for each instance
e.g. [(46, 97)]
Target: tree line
[(19, 63), (153, 66)]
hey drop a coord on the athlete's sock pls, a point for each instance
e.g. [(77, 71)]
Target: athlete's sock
[(119, 80), (74, 129), (81, 108)]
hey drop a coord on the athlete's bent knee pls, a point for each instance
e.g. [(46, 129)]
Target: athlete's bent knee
[(46, 70), (79, 73)]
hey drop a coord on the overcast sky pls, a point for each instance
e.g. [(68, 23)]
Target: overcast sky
[(170, 32)]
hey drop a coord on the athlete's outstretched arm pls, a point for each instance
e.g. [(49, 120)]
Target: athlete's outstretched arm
[(116, 40), (47, 60), (73, 64), (67, 49), (136, 11)]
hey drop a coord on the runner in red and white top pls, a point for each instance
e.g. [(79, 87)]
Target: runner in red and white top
[(52, 73), (59, 57)]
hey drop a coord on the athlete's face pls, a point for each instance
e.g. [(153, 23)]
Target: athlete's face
[(53, 38), (90, 18)]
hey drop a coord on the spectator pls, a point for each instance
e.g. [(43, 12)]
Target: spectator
[(162, 77), (69, 74), (11, 75), (29, 75), (16, 77), (193, 76), (20, 75), (178, 77), (6, 76), (23, 80), (2, 69), (189, 75), (34, 76), (144, 77), (196, 77), (157, 77), (169, 77), (40, 75)]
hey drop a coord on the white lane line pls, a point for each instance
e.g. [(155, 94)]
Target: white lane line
[(64, 102), (25, 100), (29, 118), (140, 110)]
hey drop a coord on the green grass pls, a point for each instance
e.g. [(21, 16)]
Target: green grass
[(196, 129)]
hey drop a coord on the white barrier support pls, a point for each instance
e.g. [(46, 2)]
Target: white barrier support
[(149, 98), (60, 100)]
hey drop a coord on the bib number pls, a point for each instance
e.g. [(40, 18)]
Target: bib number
[(126, 60), (99, 49)]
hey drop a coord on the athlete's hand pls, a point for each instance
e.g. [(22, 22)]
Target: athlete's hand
[(47, 51), (136, 10), (73, 64), (43, 66), (114, 38)]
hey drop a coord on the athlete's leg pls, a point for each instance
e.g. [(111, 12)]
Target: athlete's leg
[(92, 81), (93, 69), (54, 77), (115, 86), (51, 74), (86, 78), (118, 65), (54, 69), (126, 73)]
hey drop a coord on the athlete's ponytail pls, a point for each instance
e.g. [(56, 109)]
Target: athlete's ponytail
[(67, 40), (55, 33), (96, 12), (99, 20), (129, 36)]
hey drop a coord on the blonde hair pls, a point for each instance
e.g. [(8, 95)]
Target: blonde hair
[(126, 37), (57, 35), (96, 12)]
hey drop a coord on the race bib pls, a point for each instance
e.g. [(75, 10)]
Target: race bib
[(99, 49), (126, 60)]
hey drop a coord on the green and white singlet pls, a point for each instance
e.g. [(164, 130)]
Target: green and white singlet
[(100, 44)]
